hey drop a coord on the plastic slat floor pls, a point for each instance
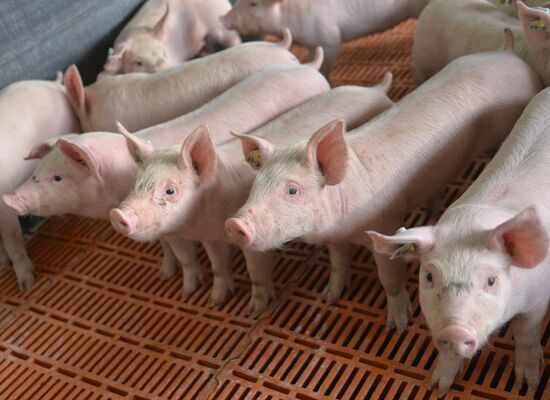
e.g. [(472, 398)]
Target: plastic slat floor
[(99, 323)]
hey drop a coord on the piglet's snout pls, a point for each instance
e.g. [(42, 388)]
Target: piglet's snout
[(124, 220), (457, 339), (240, 230), (16, 203)]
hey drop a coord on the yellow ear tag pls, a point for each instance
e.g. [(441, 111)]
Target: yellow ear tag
[(254, 158), (538, 25), (404, 250)]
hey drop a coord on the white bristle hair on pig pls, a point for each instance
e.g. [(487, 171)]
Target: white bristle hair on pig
[(30, 112), (485, 262), (142, 100), (332, 188), (165, 33), (91, 173), (190, 190), (325, 23)]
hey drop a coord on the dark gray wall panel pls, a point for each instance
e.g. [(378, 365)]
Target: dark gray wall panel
[(40, 37)]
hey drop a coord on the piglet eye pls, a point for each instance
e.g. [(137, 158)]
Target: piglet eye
[(139, 63), (491, 281), (292, 190), (170, 191), (253, 4), (57, 178), (429, 277)]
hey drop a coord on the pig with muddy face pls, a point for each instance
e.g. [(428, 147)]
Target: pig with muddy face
[(325, 23), (486, 260), (192, 190), (332, 188), (165, 33), (91, 173), (139, 100), (450, 29)]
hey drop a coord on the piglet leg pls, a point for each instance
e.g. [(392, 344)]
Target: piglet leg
[(220, 258), (393, 276), (185, 252), (11, 233), (169, 267), (526, 329), (447, 366), (340, 260), (4, 259), (260, 270)]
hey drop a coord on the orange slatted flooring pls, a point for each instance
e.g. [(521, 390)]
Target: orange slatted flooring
[(99, 324)]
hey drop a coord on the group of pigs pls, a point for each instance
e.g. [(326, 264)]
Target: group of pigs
[(247, 146)]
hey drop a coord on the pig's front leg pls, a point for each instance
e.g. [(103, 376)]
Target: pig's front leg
[(526, 329), (340, 261), (186, 254), (169, 267), (220, 259), (4, 259), (446, 368), (393, 276), (11, 233), (260, 270)]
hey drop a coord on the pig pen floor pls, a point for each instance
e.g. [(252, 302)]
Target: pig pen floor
[(99, 323)]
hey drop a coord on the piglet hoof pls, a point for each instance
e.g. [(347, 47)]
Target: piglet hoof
[(168, 270), (25, 274), (399, 307), (222, 289), (442, 383), (191, 282), (333, 291), (259, 300), (527, 367)]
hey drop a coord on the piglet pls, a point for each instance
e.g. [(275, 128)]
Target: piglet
[(332, 188), (449, 29), (30, 112), (91, 173), (165, 33), (486, 260), (142, 100), (325, 23), (191, 190)]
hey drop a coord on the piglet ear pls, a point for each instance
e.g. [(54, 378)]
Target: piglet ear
[(139, 148), (199, 152), (523, 238), (158, 29), (74, 90), (40, 150), (536, 25), (256, 150), (113, 65), (406, 243), (80, 156), (328, 151)]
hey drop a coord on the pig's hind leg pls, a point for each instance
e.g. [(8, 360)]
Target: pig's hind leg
[(527, 330), (340, 261), (219, 254), (12, 237)]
